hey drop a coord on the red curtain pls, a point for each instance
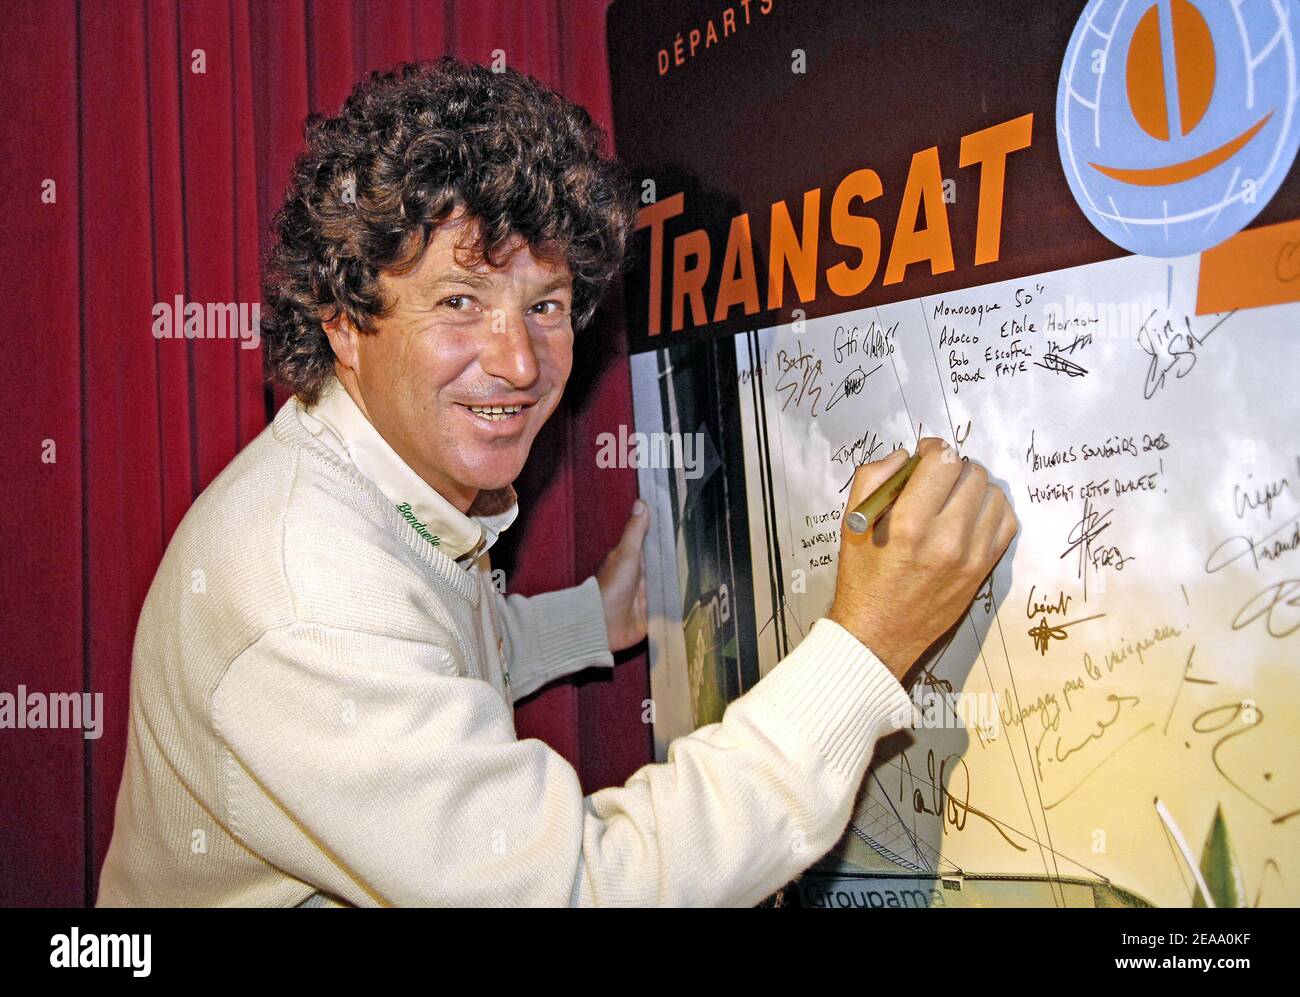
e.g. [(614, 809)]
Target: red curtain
[(146, 146)]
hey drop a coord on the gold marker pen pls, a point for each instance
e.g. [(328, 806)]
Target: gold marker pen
[(871, 508)]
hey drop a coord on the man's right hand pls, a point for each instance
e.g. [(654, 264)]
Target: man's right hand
[(905, 582)]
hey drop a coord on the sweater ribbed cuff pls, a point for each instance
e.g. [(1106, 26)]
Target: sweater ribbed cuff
[(569, 626), (835, 690)]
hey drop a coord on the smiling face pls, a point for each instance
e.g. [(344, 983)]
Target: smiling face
[(458, 341)]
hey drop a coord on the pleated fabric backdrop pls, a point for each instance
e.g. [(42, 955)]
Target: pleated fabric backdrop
[(131, 178)]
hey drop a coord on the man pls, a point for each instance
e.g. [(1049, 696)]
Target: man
[(324, 674)]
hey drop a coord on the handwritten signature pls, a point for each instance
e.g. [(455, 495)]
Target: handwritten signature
[(1179, 346), (954, 809), (798, 378), (1059, 365), (854, 381), (1102, 726), (1082, 538), (1278, 605), (1241, 545), (1043, 633)]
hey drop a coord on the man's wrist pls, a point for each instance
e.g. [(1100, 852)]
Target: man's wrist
[(898, 660)]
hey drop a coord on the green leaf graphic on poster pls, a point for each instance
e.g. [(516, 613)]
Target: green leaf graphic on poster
[(1219, 867)]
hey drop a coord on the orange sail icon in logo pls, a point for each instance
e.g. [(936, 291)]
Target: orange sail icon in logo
[(1168, 98)]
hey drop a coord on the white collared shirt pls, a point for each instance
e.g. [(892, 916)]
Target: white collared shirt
[(339, 423)]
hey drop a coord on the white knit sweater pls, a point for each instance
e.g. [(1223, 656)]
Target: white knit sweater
[(317, 711)]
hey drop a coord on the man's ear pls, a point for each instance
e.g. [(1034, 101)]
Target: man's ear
[(343, 339)]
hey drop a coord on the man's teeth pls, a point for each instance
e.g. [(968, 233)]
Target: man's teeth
[(495, 412)]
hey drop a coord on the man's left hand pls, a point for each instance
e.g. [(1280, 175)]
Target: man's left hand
[(622, 583)]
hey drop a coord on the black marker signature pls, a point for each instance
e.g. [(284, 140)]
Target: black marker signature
[(806, 385), (1082, 537), (854, 381), (1181, 346), (1059, 365)]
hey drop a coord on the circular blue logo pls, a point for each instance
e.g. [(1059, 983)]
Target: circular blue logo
[(1177, 121)]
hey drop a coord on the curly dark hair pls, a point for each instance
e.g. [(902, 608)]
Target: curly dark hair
[(407, 149)]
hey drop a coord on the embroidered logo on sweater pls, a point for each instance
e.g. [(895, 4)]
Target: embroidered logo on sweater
[(420, 528)]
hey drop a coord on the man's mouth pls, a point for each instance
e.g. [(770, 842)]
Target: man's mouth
[(498, 413)]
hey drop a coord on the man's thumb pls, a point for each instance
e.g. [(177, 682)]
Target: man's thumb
[(638, 524)]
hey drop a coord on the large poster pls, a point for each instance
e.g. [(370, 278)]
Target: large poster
[(1064, 238)]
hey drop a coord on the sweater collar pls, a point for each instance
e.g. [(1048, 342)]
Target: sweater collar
[(338, 423)]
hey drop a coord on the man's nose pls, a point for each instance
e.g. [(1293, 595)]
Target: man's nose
[(508, 351)]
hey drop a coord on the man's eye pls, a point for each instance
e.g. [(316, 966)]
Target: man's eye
[(555, 307), (457, 302)]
